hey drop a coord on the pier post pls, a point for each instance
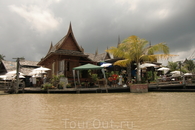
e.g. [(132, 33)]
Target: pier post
[(17, 74)]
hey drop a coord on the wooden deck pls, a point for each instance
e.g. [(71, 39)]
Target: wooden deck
[(76, 90), (176, 86), (153, 87)]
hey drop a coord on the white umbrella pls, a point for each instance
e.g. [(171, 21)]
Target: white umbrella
[(188, 74), (145, 65), (21, 76), (4, 77), (176, 75), (9, 76), (176, 72), (41, 69), (164, 69), (106, 64), (38, 71), (35, 72)]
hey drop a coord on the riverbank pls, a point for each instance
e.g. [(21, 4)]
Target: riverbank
[(153, 87), (76, 90)]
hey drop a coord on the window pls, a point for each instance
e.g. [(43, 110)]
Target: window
[(68, 66), (53, 68), (61, 66)]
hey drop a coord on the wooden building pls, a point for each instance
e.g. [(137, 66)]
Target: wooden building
[(26, 67), (64, 56)]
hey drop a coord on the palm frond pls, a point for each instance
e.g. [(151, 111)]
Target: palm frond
[(164, 56), (160, 47), (123, 63)]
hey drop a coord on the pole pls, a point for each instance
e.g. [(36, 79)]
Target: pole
[(17, 75)]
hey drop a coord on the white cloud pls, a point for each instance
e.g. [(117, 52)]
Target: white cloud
[(133, 4), (163, 13), (40, 19), (57, 0)]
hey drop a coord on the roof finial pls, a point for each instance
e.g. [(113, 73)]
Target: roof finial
[(70, 28), (118, 40), (96, 52), (150, 43)]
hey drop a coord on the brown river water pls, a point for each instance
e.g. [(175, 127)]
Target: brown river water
[(104, 111)]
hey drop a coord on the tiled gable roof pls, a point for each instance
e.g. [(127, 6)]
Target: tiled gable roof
[(56, 46), (71, 52), (97, 57), (27, 66)]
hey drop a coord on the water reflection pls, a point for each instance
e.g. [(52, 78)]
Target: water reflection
[(148, 111)]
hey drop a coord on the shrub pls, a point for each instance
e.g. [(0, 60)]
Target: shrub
[(47, 86)]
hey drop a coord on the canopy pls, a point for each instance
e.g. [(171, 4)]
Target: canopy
[(106, 65), (87, 67), (164, 69), (38, 71), (145, 65), (188, 74), (176, 72)]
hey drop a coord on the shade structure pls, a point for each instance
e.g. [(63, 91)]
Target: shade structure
[(145, 65), (4, 77), (41, 69), (38, 71), (175, 75), (87, 67), (106, 65), (164, 69), (188, 74), (11, 75), (176, 72)]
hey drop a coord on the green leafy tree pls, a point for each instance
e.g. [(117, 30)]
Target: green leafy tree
[(135, 49), (2, 57), (189, 66), (172, 65)]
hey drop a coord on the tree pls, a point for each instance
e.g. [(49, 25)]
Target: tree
[(135, 49), (189, 65), (2, 57), (173, 65)]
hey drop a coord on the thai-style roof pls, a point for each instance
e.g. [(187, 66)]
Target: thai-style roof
[(26, 66), (71, 53), (64, 47), (99, 57), (58, 45)]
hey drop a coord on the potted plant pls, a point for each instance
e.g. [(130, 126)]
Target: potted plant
[(94, 77), (83, 84), (68, 85), (47, 86), (60, 85)]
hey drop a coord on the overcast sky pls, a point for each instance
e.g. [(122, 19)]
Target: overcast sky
[(27, 27)]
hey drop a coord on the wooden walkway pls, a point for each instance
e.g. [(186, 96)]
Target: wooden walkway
[(174, 86), (76, 90)]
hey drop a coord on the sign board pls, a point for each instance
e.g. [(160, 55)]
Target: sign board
[(64, 81)]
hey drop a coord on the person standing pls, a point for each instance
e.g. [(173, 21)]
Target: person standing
[(120, 80), (34, 81), (31, 84), (44, 79)]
